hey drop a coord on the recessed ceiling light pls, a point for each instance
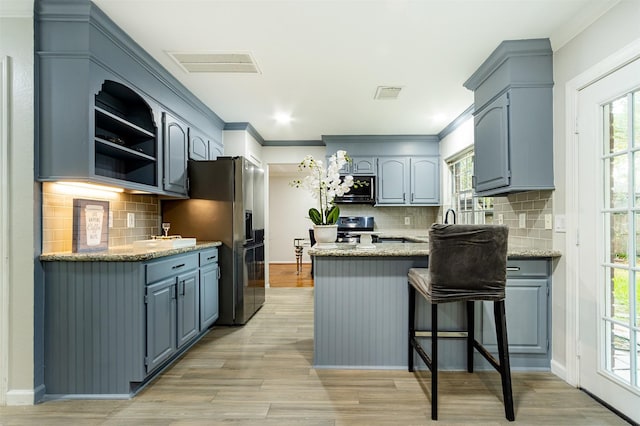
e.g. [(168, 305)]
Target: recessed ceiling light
[(283, 118)]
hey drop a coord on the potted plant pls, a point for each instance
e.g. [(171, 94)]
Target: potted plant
[(324, 184)]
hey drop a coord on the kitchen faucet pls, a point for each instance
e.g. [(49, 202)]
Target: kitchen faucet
[(446, 216)]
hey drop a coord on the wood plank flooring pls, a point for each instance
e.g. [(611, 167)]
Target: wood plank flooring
[(286, 275), (261, 374)]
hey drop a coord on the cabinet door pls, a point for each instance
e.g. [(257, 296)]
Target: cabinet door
[(491, 145), (188, 324), (215, 150), (209, 308), (425, 180), (198, 146), (363, 166), (175, 155), (392, 180), (161, 322), (527, 321)]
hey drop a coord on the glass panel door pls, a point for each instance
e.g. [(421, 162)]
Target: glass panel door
[(608, 153)]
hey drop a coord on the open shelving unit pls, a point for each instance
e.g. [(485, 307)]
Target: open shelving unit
[(126, 142)]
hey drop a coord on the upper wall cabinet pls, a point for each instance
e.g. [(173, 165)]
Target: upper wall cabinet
[(175, 155), (126, 144), (408, 181), (100, 102), (202, 147), (359, 165), (513, 119), (407, 166)]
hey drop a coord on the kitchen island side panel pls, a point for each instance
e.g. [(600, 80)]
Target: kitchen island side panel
[(94, 327), (360, 312)]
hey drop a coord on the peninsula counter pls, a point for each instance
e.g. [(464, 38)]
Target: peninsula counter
[(361, 308)]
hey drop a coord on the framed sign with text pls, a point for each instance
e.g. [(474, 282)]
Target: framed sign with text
[(90, 225)]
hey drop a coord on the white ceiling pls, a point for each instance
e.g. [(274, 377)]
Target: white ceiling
[(322, 60)]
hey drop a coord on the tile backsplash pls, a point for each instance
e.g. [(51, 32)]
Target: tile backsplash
[(393, 217), (535, 205), (57, 216)]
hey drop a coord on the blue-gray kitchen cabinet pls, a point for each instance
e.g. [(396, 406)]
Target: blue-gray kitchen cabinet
[(513, 119), (179, 274), (409, 180), (528, 314), (360, 165), (175, 154), (160, 301), (110, 326), (393, 181), (209, 280), (198, 146), (425, 180), (100, 101), (202, 147), (188, 309)]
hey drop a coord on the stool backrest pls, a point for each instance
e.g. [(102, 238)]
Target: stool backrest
[(467, 262)]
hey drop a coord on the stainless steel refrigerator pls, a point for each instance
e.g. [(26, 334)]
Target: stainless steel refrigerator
[(227, 204)]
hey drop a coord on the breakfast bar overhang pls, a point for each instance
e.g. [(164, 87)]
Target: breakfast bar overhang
[(361, 308)]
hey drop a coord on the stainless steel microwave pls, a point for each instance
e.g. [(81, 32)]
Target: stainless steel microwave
[(363, 191)]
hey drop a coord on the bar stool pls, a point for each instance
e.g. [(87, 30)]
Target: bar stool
[(466, 263)]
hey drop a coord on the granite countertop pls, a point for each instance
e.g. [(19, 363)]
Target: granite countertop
[(124, 253), (413, 249)]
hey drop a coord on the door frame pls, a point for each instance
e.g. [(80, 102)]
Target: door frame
[(4, 227), (622, 57)]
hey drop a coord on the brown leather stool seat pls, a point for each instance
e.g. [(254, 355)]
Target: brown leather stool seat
[(466, 263)]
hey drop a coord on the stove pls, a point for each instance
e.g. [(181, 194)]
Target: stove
[(350, 226)]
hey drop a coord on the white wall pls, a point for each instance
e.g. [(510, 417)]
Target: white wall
[(288, 211), (17, 286), (240, 142), (286, 219), (614, 30)]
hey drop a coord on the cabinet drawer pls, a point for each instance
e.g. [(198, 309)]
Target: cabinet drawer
[(170, 266), (527, 268), (208, 256)]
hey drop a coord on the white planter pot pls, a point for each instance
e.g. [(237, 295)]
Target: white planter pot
[(325, 234)]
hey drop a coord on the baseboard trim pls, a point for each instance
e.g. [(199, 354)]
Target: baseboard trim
[(20, 397), (559, 370)]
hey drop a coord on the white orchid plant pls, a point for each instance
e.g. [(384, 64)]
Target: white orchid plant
[(325, 184)]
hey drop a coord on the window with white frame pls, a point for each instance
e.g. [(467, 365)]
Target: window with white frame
[(469, 208)]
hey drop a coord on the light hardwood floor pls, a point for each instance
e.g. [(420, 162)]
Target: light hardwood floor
[(262, 374)]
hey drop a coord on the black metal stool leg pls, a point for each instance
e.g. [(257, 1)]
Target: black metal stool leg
[(503, 354), (434, 361), (412, 325), (470, 334)]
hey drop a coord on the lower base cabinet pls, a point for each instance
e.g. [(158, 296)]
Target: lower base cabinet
[(528, 315), (110, 326), (209, 279)]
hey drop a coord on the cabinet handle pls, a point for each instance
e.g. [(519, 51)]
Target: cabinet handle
[(212, 257), (412, 197), (513, 268), (404, 197), (178, 266), (218, 273)]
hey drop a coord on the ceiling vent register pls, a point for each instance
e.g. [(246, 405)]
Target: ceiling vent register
[(384, 93), (216, 62)]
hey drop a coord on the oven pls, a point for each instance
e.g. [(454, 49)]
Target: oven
[(349, 228)]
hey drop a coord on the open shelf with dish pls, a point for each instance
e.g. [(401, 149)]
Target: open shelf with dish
[(125, 138)]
